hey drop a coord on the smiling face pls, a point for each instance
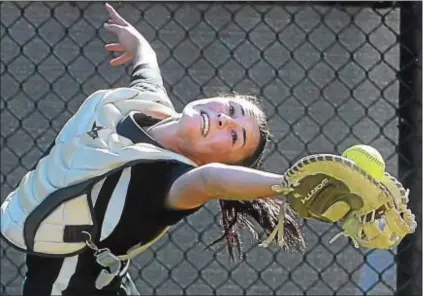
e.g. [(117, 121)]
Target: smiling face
[(224, 130)]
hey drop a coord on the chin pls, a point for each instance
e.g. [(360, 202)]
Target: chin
[(191, 120), (189, 113)]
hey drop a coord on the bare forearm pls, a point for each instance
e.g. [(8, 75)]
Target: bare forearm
[(145, 54), (239, 183)]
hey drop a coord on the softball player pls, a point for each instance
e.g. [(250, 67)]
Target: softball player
[(127, 166)]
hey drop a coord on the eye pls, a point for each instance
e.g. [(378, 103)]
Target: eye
[(231, 110), (234, 137)]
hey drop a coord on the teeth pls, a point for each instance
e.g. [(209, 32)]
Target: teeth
[(206, 124)]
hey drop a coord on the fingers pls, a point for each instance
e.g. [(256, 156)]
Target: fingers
[(115, 16), (117, 47), (126, 57), (114, 47)]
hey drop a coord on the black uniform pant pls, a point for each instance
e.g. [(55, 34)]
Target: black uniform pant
[(73, 276)]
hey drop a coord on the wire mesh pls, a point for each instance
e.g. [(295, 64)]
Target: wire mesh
[(326, 76)]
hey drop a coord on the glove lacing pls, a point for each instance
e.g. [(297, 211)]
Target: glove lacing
[(371, 217), (284, 188)]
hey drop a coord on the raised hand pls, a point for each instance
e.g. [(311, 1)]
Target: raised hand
[(132, 44)]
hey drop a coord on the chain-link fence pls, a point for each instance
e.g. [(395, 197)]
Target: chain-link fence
[(327, 75)]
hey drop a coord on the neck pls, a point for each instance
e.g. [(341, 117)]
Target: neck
[(166, 133)]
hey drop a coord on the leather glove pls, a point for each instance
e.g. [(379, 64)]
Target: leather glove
[(332, 188)]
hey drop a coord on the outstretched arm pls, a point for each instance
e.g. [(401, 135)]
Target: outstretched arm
[(214, 181)]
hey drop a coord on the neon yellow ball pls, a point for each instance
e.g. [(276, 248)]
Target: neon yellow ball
[(367, 158)]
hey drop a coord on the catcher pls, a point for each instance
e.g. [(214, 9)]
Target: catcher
[(127, 166)]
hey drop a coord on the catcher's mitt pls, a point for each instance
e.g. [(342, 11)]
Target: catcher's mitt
[(332, 188)]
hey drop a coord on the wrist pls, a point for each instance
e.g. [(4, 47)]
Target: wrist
[(144, 56), (283, 186)]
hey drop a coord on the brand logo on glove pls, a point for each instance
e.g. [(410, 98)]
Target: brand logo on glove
[(315, 190)]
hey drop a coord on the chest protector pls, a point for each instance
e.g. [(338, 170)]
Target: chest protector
[(53, 204)]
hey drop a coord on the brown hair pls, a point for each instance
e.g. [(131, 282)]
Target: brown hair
[(265, 212)]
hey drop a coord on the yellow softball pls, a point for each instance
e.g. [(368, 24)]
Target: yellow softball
[(367, 158)]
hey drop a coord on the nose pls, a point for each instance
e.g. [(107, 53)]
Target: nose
[(224, 120)]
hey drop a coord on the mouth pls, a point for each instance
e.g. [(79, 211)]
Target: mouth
[(206, 123)]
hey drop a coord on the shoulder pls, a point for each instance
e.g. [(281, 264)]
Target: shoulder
[(178, 169), (163, 164), (188, 190), (162, 174)]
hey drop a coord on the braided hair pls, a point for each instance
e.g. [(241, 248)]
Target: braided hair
[(236, 215)]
